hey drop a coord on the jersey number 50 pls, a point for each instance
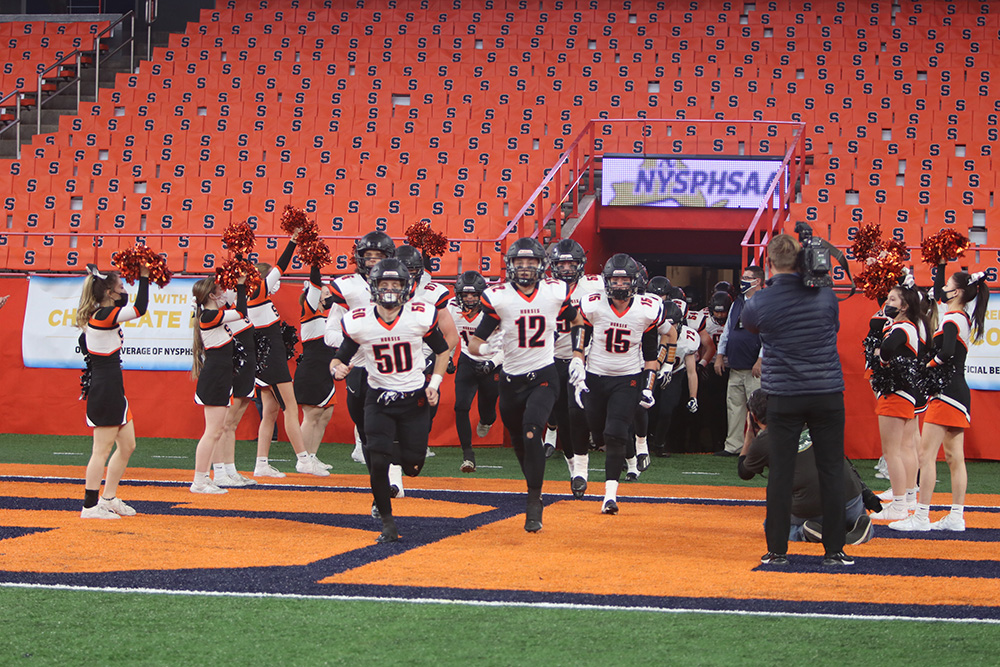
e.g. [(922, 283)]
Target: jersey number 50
[(393, 358)]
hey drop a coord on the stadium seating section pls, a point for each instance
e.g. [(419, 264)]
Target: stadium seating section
[(452, 110)]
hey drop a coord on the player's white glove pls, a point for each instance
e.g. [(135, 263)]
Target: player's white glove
[(693, 405), (577, 372), (579, 389), (647, 401)]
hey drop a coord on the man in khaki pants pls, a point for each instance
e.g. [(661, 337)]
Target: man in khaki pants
[(740, 350)]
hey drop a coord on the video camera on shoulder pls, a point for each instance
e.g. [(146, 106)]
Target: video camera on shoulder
[(815, 258)]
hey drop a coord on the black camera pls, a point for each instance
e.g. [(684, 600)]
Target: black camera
[(815, 258)]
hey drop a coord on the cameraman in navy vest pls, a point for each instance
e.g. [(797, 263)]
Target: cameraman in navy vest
[(740, 350), (805, 384)]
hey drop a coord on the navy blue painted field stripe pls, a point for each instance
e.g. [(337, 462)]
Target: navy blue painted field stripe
[(896, 567)]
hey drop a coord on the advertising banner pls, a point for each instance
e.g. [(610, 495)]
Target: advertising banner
[(670, 181), (159, 340), (982, 367)]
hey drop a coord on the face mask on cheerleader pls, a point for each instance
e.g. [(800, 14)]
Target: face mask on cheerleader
[(891, 312)]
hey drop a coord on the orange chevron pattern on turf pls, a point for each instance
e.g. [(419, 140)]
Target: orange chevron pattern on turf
[(668, 550)]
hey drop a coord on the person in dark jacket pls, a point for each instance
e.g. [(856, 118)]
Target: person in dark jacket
[(802, 375), (807, 520), (739, 350)]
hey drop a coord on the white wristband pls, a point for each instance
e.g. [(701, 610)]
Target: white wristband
[(435, 382), (485, 350)]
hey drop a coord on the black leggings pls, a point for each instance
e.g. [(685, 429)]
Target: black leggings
[(468, 385), (525, 405), (396, 431), (611, 404)]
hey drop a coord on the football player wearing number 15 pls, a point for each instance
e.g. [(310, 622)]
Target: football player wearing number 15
[(621, 365), (526, 309), (390, 333)]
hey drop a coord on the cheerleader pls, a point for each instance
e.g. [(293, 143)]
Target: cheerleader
[(897, 410), (212, 367), (947, 414), (314, 388), (273, 377), (103, 307), (224, 457)]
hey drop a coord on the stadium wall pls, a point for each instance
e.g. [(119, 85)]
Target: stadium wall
[(45, 401)]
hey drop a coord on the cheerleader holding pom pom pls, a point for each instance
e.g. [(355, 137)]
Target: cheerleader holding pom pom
[(103, 307), (213, 369), (314, 388), (277, 393), (948, 413)]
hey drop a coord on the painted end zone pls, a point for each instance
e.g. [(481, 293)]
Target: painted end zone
[(671, 548)]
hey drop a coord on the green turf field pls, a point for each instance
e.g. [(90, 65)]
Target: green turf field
[(74, 627), (71, 627), (493, 462)]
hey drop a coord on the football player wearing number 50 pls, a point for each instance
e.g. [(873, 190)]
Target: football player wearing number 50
[(390, 334)]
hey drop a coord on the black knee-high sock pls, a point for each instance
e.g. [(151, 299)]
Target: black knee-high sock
[(533, 463), (379, 478), (614, 457)]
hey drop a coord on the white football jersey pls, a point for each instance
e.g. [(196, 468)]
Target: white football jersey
[(431, 292), (392, 351), (349, 292), (688, 341), (527, 323), (698, 319), (616, 349), (467, 327), (714, 329), (583, 288)]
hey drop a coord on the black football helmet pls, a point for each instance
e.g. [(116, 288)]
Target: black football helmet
[(718, 306), (376, 240), (621, 266), (469, 287), (567, 250), (672, 312), (723, 286), (389, 268), (658, 285), (525, 248), (676, 294), (412, 260), (640, 288)]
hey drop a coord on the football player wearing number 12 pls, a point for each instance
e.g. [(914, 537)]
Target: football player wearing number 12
[(526, 309), (390, 333)]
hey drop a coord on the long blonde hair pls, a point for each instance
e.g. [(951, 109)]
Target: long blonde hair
[(201, 291), (95, 289)]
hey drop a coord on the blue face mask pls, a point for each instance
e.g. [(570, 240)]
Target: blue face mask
[(746, 285)]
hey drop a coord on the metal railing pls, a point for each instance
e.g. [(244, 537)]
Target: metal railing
[(16, 123), (40, 101), (562, 184), (130, 42)]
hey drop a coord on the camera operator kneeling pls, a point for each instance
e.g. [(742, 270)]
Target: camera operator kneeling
[(802, 375), (807, 520)]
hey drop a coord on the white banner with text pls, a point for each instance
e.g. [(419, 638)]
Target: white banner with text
[(159, 340)]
